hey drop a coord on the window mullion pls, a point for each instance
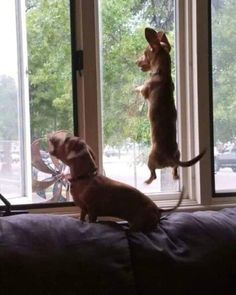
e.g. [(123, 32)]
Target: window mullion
[(201, 95), (89, 83), (184, 92), (193, 96)]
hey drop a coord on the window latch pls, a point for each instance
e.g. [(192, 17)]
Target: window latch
[(79, 61), (8, 211)]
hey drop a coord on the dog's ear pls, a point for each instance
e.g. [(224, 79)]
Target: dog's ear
[(152, 38), (164, 41), (92, 157), (157, 39), (91, 153)]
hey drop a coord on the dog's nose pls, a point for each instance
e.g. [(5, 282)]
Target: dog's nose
[(140, 61)]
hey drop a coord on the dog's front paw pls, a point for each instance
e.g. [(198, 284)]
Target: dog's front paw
[(139, 89)]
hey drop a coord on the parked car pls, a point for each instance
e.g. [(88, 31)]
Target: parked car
[(227, 158)]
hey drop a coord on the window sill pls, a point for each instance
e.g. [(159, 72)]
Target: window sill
[(186, 206)]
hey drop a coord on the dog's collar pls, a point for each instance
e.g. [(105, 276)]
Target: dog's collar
[(84, 176)]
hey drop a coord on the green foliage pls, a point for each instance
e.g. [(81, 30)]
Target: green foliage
[(49, 51)]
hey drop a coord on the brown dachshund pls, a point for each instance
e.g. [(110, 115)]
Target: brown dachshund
[(98, 195), (158, 91)]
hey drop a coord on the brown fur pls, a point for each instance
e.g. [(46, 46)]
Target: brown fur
[(158, 91), (98, 195)]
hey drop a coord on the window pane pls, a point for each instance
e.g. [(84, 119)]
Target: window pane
[(224, 94), (126, 128), (37, 31), (50, 88), (10, 141)]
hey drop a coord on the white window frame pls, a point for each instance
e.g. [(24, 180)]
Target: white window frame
[(194, 96)]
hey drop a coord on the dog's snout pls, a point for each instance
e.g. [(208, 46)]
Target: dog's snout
[(143, 63)]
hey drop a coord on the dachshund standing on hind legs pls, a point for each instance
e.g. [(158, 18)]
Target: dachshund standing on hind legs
[(158, 91)]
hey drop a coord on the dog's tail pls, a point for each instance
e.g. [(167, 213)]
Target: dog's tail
[(192, 161), (177, 205)]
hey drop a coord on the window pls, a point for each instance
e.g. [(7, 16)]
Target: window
[(36, 97), (193, 88), (224, 98), (44, 93), (11, 90), (189, 81), (125, 126)]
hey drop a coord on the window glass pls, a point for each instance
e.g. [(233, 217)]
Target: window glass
[(38, 32), (224, 94), (50, 91), (10, 141), (126, 128)]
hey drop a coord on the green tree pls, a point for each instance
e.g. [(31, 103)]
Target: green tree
[(49, 51)]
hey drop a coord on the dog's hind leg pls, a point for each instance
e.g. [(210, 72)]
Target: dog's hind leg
[(152, 176), (152, 167)]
